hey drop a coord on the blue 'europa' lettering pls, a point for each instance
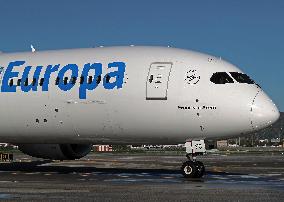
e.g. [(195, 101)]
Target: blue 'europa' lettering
[(48, 71), (119, 75), (27, 87), (96, 69), (89, 86), (10, 74), (74, 69)]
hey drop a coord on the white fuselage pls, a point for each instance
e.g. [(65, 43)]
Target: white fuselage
[(166, 97)]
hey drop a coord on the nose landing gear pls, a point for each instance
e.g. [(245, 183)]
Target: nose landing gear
[(193, 168)]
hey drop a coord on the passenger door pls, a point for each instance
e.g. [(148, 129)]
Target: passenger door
[(157, 81)]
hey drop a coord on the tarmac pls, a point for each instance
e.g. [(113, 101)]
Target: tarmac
[(143, 177)]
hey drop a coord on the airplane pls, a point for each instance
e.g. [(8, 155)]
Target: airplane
[(56, 104)]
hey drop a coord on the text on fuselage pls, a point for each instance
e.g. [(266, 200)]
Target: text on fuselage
[(117, 75)]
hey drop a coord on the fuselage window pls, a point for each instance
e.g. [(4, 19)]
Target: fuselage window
[(241, 78), (19, 82), (90, 79), (57, 81), (74, 80), (65, 80), (81, 80), (99, 78), (221, 78), (107, 78), (11, 82), (26, 82), (41, 81), (34, 82)]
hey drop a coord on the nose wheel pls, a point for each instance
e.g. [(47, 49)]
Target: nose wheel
[(193, 168)]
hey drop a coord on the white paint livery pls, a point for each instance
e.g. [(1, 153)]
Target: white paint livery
[(167, 97)]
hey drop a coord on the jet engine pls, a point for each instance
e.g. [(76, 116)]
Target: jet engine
[(56, 151)]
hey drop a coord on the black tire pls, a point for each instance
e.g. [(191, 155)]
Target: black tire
[(200, 169), (189, 169)]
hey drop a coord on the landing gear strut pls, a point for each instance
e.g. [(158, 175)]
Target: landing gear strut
[(193, 168)]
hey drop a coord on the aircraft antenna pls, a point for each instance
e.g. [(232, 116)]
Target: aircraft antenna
[(33, 49)]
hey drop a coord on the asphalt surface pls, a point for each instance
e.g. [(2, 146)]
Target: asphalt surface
[(127, 177)]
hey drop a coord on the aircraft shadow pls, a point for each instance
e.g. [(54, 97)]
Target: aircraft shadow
[(38, 166)]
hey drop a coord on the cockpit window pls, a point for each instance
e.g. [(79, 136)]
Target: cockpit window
[(242, 78), (221, 78)]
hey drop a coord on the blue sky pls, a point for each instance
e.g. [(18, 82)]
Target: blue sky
[(250, 34)]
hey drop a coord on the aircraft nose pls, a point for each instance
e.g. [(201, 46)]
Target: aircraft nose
[(264, 111)]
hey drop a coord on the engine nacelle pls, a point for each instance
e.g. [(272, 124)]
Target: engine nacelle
[(56, 151)]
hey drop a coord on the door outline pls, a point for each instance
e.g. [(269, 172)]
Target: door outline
[(151, 77)]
